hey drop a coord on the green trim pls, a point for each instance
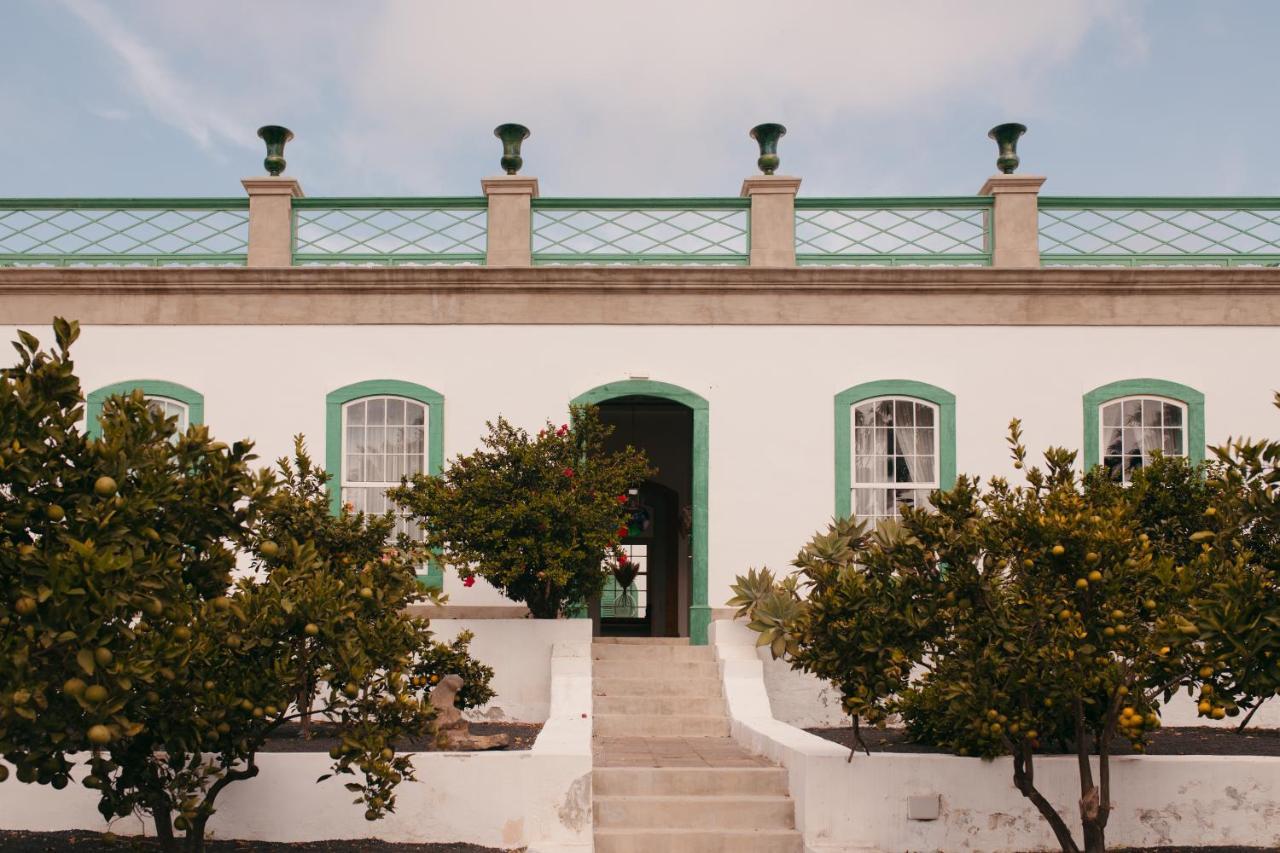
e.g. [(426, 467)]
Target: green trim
[(859, 258), (699, 610), (237, 203), (913, 202), (845, 401), (711, 203), (1185, 394), (1108, 259), (338, 203), (338, 259), (192, 399), (542, 259), (1168, 202), (339, 397)]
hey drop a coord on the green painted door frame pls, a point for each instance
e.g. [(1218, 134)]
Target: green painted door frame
[(699, 610)]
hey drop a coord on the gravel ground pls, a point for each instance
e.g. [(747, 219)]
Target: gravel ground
[(91, 842)]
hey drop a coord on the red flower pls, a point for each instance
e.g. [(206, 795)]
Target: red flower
[(564, 429), (469, 580), (621, 532), (568, 472), (622, 499), (622, 559)]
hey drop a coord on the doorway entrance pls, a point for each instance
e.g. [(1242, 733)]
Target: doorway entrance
[(667, 536)]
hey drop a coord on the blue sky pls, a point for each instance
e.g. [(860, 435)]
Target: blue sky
[(143, 98)]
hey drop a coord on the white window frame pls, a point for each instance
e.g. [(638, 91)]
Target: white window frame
[(855, 484), (1125, 479), (403, 525)]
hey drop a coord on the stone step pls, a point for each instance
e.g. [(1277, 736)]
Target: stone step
[(640, 641), (698, 841), (689, 781), (652, 653), (656, 725), (702, 706), (734, 812), (659, 670), (610, 686)]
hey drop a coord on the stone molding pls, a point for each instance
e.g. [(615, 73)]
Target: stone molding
[(1071, 296), (510, 220), (271, 220), (1015, 230)]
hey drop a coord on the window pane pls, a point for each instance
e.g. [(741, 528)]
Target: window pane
[(863, 441), (373, 468), (925, 441), (1111, 440), (395, 467), (1151, 412), (413, 465), (1172, 415), (1113, 466), (864, 415), (902, 413), (1151, 440), (375, 439), (1111, 415), (355, 413), (414, 413), (413, 439), (355, 439), (864, 468), (884, 413), (395, 411), (901, 471), (906, 440), (1130, 442), (1132, 412), (924, 414), (395, 439), (354, 471), (377, 412), (925, 471), (1173, 442)]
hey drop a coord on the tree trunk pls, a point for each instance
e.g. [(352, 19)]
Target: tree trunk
[(1024, 776), (1249, 716), (163, 820)]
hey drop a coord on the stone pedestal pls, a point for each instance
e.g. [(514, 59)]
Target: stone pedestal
[(773, 219), (271, 220), (1015, 229), (510, 220)]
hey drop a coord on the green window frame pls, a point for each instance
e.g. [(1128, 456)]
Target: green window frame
[(336, 400), (189, 397), (945, 402), (1189, 397)]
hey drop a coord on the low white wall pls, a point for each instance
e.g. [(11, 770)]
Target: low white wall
[(519, 650), (799, 698), (861, 804), (539, 798)]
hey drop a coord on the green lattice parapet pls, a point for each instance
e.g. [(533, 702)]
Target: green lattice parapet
[(1142, 231), (641, 231), (127, 232), (389, 231), (893, 231)]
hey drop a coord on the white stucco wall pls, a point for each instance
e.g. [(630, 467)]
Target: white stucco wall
[(519, 650), (770, 391), (860, 804), (539, 798)]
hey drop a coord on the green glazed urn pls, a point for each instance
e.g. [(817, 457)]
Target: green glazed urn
[(1006, 137), (767, 135), (275, 136), (511, 135)]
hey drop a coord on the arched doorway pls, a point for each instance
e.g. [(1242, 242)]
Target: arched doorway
[(671, 424)]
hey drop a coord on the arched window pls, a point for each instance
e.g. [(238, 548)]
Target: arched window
[(895, 443), (378, 432), (1127, 422), (169, 398)]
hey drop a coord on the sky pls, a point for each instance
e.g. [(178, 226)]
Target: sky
[(163, 97)]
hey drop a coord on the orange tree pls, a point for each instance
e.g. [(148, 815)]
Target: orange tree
[(125, 648), (1005, 617), (1240, 622), (539, 517)]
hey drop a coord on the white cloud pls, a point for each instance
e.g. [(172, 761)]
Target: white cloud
[(167, 95), (667, 89), (110, 113)]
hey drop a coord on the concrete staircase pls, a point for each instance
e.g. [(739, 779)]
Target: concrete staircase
[(667, 776)]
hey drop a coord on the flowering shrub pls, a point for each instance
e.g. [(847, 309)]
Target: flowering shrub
[(538, 517)]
